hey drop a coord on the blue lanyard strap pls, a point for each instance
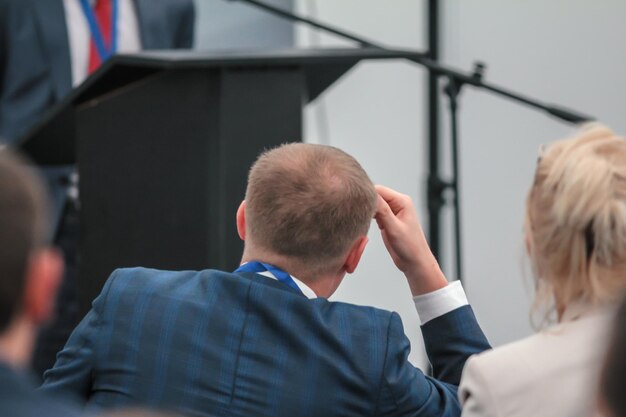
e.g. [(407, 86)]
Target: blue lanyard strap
[(282, 276), (96, 33)]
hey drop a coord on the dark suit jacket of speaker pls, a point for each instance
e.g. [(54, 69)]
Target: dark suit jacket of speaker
[(221, 344), (35, 66)]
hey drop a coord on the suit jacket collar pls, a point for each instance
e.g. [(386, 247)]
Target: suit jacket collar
[(263, 280), (50, 15)]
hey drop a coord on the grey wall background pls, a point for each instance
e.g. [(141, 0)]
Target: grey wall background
[(563, 51), (223, 24)]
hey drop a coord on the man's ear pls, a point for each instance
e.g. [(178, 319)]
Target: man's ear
[(241, 220), (354, 256), (43, 278)]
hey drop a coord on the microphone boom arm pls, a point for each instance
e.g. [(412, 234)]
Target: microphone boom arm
[(459, 78)]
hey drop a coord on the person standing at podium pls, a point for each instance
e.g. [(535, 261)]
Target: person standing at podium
[(49, 46), (46, 48)]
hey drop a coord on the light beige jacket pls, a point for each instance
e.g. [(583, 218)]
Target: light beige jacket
[(553, 373)]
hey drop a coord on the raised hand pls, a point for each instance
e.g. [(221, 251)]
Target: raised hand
[(405, 241)]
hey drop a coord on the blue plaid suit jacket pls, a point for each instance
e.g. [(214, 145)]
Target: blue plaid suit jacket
[(212, 343)]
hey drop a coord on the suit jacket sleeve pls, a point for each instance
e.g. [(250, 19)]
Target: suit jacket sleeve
[(405, 390), (474, 392), (450, 340), (71, 374)]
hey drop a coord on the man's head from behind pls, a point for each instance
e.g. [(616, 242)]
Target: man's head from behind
[(29, 272), (310, 206)]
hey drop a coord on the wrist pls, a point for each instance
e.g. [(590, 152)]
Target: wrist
[(425, 276)]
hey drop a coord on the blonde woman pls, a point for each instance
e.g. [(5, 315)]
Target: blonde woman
[(576, 239)]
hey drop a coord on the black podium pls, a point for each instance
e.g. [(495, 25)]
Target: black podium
[(164, 141)]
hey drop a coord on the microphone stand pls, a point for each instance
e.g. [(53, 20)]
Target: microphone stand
[(455, 81)]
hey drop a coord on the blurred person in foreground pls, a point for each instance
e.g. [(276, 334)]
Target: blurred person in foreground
[(264, 340), (612, 398), (30, 272), (576, 240)]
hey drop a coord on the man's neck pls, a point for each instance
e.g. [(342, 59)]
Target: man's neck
[(322, 285)]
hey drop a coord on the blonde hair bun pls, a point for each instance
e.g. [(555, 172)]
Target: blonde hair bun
[(576, 218)]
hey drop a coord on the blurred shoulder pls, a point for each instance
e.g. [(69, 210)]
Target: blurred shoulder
[(492, 380), (19, 398), (557, 362), (513, 359), (549, 348), (525, 359)]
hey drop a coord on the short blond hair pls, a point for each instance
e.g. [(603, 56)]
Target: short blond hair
[(308, 203), (576, 219)]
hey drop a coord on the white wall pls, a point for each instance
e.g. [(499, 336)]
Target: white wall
[(223, 24), (562, 51)]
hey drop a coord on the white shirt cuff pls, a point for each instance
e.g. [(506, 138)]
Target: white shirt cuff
[(437, 303)]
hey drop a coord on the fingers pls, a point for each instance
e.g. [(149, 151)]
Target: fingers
[(396, 201), (383, 215), (391, 209)]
